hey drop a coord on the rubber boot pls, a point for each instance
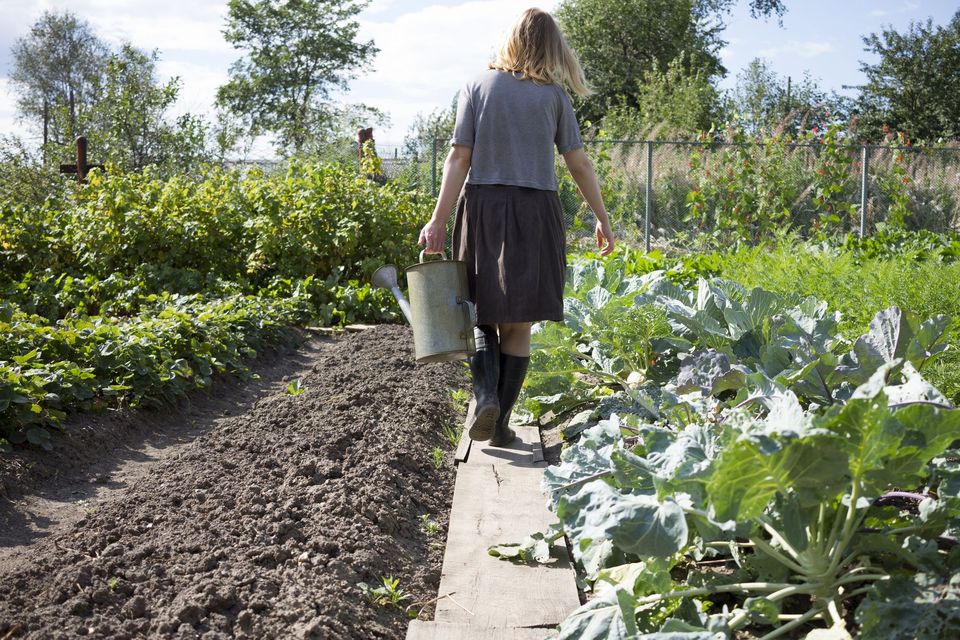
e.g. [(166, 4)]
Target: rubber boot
[(513, 370), (485, 367)]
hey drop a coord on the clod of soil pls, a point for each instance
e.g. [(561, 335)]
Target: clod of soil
[(264, 525)]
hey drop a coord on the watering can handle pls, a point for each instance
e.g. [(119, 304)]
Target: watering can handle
[(443, 256), (471, 310)]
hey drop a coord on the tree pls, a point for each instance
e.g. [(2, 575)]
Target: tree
[(129, 126), (672, 103), (297, 51), (619, 40), (428, 128), (56, 70), (914, 86), (764, 102)]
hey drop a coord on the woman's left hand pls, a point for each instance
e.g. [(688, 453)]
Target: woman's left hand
[(433, 235), (605, 238)]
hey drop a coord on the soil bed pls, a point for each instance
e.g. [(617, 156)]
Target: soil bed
[(264, 524)]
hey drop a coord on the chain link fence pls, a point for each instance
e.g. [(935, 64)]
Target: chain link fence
[(661, 193)]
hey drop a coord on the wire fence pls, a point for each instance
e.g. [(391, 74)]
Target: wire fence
[(662, 193)]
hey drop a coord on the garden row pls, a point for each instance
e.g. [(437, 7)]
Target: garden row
[(134, 289), (750, 458)]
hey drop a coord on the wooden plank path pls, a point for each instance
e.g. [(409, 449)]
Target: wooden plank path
[(497, 500)]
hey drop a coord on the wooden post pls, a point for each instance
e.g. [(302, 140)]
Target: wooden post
[(81, 159), (46, 126), (81, 168), (362, 136)]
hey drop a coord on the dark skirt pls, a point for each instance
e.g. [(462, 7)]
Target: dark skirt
[(513, 241)]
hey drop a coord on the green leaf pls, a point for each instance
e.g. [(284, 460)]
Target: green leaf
[(750, 316), (928, 432), (39, 436), (914, 389), (577, 463), (534, 548), (747, 475), (700, 370), (635, 523), (761, 610), (609, 616), (927, 342), (923, 607), (640, 578), (869, 435)]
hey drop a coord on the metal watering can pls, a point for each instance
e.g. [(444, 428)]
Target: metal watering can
[(439, 312)]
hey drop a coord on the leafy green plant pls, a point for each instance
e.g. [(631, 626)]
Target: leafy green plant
[(459, 399), (294, 388), (428, 525), (174, 345), (438, 455), (743, 189), (893, 184), (817, 470), (451, 433), (387, 594)]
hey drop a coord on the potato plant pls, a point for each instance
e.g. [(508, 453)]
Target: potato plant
[(134, 288)]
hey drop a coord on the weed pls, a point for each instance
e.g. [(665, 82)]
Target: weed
[(459, 399), (113, 583), (438, 457), (88, 508), (388, 594), (294, 388), (428, 525), (451, 433)]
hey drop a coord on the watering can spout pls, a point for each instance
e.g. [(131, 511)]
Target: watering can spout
[(386, 278)]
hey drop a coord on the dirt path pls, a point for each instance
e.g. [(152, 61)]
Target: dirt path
[(254, 513)]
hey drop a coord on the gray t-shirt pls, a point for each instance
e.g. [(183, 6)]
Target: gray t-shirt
[(512, 126)]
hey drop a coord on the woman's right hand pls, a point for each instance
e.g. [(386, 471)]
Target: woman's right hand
[(433, 235), (605, 239)]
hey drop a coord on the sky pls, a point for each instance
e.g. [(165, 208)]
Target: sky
[(428, 48)]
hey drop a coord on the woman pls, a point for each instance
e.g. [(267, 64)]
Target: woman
[(509, 228)]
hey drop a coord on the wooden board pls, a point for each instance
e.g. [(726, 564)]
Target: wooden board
[(520, 451), (526, 448), (463, 447), (419, 630), (352, 328), (497, 500)]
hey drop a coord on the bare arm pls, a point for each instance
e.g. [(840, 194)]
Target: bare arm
[(455, 169), (581, 170)]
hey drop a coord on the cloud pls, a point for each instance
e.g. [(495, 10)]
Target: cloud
[(187, 34), (9, 124), (428, 48), (380, 6), (805, 49), (182, 26), (427, 54), (879, 13), (198, 84)]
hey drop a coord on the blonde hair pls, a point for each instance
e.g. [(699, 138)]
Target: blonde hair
[(536, 49)]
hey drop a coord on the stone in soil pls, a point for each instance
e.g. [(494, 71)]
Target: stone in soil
[(264, 525)]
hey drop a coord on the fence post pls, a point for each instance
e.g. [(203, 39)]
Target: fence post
[(433, 169), (649, 197), (864, 159)]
